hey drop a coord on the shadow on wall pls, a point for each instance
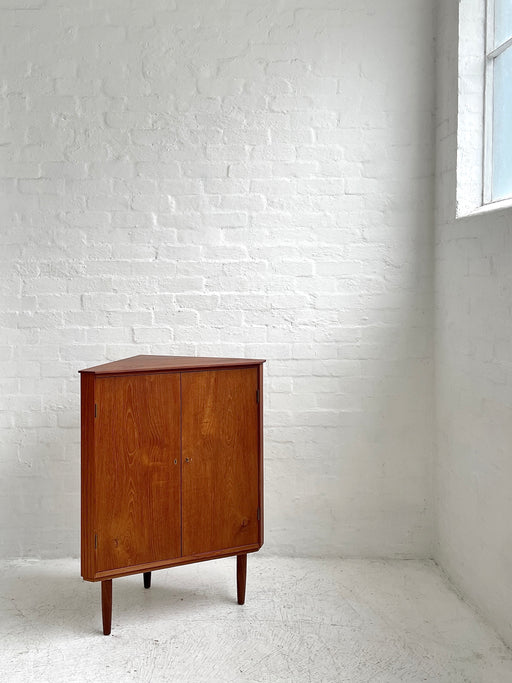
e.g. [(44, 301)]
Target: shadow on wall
[(349, 448), (40, 490), (51, 599)]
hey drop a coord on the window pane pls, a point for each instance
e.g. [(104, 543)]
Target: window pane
[(502, 127), (502, 21)]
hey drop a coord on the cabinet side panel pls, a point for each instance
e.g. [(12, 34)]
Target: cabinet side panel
[(220, 450), (137, 466), (87, 476), (260, 457)]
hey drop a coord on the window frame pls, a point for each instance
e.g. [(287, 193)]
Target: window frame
[(470, 93), (491, 53)]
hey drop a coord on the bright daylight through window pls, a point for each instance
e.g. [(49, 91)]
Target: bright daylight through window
[(498, 105)]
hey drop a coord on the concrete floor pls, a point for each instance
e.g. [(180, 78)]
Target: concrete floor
[(304, 620)]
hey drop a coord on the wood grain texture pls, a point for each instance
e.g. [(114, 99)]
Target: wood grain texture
[(87, 553), (220, 449), (176, 562), (172, 467), (261, 477), (137, 472), (145, 363)]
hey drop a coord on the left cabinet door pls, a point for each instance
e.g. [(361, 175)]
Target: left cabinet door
[(137, 470)]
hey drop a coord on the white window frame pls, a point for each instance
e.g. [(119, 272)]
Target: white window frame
[(491, 52), (470, 107), (474, 110)]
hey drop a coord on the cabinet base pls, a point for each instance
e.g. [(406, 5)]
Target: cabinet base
[(106, 591)]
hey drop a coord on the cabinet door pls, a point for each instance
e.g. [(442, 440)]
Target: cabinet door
[(220, 459), (137, 469)]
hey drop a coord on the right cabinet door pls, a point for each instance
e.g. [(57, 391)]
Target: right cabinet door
[(219, 459)]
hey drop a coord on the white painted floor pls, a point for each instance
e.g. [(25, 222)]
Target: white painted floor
[(304, 620)]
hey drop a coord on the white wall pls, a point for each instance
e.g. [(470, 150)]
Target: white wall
[(473, 373), (224, 177)]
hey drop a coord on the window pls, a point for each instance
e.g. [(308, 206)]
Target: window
[(498, 102), (484, 106)]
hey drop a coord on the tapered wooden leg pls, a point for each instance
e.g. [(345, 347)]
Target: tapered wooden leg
[(106, 606), (147, 579), (241, 576)]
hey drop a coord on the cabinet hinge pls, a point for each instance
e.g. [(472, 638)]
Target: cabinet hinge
[(95, 541), (259, 514), (95, 410), (257, 395)]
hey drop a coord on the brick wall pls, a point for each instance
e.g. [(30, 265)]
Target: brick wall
[(231, 177)]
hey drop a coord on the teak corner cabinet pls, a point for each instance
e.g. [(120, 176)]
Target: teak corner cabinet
[(172, 466)]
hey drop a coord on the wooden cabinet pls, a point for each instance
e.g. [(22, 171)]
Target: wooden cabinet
[(172, 466)]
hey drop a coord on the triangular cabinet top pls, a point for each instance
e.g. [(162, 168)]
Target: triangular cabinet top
[(167, 363)]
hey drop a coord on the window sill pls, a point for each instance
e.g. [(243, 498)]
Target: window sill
[(501, 205)]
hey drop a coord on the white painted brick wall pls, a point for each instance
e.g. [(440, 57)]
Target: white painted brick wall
[(231, 177), (473, 372)]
